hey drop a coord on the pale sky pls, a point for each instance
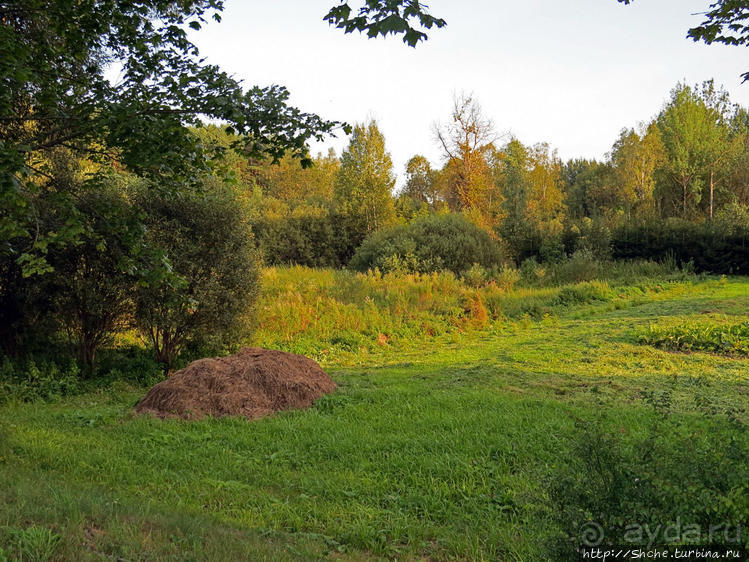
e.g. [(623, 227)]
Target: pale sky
[(572, 74)]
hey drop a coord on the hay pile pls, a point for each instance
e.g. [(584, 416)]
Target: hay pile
[(253, 383)]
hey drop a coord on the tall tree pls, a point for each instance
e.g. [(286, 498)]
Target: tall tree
[(363, 187), (685, 126), (636, 156), (546, 204), (723, 146), (290, 182), (512, 174), (695, 128), (467, 141), (421, 184)]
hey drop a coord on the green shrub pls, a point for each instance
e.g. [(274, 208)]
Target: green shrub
[(589, 235), (205, 297), (507, 277), (438, 242), (584, 266), (534, 303), (31, 380), (475, 276), (133, 365), (93, 279), (531, 271), (307, 236)]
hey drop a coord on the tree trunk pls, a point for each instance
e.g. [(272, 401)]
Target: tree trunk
[(712, 188), (684, 199)]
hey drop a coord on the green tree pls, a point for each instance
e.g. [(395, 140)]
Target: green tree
[(696, 136), (363, 187), (512, 172), (93, 280), (421, 184), (685, 126), (530, 179), (725, 142), (55, 93), (383, 17), (546, 206), (635, 157), (292, 183)]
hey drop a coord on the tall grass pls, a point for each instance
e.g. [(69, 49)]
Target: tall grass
[(324, 312)]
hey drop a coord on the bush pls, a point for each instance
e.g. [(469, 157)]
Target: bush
[(591, 236), (507, 277), (31, 380), (710, 247), (307, 236), (133, 365), (531, 271), (438, 242), (205, 296)]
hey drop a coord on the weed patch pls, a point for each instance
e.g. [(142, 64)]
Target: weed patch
[(724, 338)]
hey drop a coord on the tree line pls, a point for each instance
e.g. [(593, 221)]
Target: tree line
[(688, 167)]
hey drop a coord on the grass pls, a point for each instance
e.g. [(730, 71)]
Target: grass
[(471, 440)]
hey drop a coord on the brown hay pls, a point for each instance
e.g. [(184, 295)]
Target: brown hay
[(253, 383)]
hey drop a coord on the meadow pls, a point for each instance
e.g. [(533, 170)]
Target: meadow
[(493, 417)]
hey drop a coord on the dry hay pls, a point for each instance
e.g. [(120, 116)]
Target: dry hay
[(253, 383)]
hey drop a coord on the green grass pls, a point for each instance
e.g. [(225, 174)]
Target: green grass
[(469, 443)]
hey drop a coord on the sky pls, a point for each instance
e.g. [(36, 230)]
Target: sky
[(572, 74)]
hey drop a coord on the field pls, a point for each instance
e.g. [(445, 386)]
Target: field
[(473, 421)]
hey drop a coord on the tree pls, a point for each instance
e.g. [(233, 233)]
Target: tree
[(421, 185), (696, 135), (685, 127), (467, 141), (530, 179), (55, 93), (382, 17), (546, 204), (512, 175), (363, 187), (723, 146), (290, 182), (93, 280), (636, 156)]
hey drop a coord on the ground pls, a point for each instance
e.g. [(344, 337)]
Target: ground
[(450, 446)]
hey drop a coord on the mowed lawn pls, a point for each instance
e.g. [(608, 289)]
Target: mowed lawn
[(445, 447)]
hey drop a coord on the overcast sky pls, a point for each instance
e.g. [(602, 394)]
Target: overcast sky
[(572, 74)]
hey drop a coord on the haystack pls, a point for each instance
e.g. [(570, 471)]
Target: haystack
[(253, 383)]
